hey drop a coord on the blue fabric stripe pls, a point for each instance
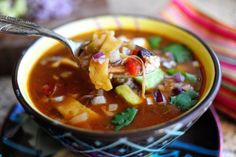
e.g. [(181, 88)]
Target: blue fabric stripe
[(194, 148)]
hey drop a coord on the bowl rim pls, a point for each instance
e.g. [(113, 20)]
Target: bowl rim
[(198, 108)]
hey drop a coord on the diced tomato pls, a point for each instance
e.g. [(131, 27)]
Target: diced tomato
[(48, 89), (133, 66)]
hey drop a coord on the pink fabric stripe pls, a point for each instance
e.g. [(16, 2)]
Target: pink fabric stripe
[(229, 103), (211, 26), (173, 14), (228, 65), (228, 80)]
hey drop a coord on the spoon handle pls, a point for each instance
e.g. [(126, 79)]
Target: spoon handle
[(21, 27)]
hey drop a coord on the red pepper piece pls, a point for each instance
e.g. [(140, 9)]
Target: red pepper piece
[(133, 66)]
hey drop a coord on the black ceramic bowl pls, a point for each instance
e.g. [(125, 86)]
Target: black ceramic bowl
[(138, 142)]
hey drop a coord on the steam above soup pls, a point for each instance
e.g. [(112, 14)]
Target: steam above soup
[(118, 85)]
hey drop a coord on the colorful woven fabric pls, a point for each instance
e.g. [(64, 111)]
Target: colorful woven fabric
[(220, 37)]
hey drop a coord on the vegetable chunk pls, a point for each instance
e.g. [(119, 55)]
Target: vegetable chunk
[(126, 92), (70, 107), (189, 77), (152, 78)]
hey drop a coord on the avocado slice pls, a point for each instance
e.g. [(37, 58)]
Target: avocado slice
[(151, 79), (128, 94)]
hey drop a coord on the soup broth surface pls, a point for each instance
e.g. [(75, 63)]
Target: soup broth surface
[(53, 82)]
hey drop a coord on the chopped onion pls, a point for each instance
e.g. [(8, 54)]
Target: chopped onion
[(79, 118), (115, 56), (169, 64), (98, 100), (100, 92), (196, 64), (169, 55), (179, 77), (152, 63), (108, 113), (112, 107), (130, 83), (159, 97), (99, 57), (149, 100), (187, 87), (57, 99), (125, 51), (140, 42), (123, 38)]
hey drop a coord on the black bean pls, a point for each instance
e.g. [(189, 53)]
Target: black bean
[(143, 53)]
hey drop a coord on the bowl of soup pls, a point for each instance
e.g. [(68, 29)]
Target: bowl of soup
[(140, 83)]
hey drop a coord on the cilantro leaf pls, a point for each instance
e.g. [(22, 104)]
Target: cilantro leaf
[(171, 71), (124, 118), (185, 100), (187, 76), (180, 52), (154, 41)]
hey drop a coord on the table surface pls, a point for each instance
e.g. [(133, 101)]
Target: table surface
[(7, 97)]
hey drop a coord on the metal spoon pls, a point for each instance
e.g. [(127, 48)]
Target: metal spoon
[(21, 27)]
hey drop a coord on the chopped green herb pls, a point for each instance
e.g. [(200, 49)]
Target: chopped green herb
[(171, 71), (228, 85), (154, 41), (190, 77), (185, 100), (187, 76), (180, 52), (124, 118)]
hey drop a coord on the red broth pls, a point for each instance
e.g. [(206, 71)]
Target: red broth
[(49, 86)]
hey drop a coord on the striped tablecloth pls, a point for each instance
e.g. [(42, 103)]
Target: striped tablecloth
[(219, 36)]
